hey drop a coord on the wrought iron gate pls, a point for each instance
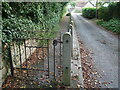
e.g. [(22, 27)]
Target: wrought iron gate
[(34, 60)]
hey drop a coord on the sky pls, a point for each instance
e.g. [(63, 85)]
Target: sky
[(96, 0)]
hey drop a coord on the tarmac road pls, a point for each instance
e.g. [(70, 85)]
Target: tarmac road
[(104, 48)]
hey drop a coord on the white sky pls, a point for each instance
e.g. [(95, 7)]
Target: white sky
[(95, 0)]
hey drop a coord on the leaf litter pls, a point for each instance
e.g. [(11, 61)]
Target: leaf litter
[(90, 73), (32, 80)]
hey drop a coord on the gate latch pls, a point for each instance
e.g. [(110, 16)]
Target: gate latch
[(55, 42)]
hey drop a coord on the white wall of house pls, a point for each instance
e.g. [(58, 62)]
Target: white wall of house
[(78, 8), (88, 5)]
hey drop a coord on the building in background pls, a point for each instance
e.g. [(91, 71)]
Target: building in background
[(84, 4)]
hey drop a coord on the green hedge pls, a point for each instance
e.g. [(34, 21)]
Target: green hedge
[(89, 12), (103, 13), (19, 16), (29, 16), (112, 11)]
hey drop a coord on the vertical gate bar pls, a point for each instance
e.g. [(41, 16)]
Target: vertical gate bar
[(30, 53), (28, 74), (37, 58), (12, 82), (48, 56), (26, 60), (30, 59), (20, 57), (43, 53), (14, 50), (36, 54), (28, 66), (54, 59), (26, 56), (60, 49), (37, 51), (20, 60), (43, 56), (11, 63)]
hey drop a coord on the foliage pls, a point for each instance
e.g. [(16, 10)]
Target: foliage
[(73, 4), (77, 11), (110, 16), (14, 25), (100, 4), (20, 18), (103, 13), (89, 12), (26, 16), (112, 11), (113, 25)]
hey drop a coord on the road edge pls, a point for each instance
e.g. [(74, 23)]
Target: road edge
[(76, 67)]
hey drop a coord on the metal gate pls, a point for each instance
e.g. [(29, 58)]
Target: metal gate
[(35, 62)]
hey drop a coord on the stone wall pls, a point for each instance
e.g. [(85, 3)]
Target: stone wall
[(4, 68), (16, 53)]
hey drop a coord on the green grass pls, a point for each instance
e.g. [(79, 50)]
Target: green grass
[(112, 25), (78, 11)]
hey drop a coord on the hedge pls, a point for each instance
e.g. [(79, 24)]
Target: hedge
[(113, 25), (103, 13), (112, 11), (29, 16), (89, 12), (19, 16)]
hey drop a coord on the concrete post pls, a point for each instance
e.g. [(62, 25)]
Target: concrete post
[(66, 59), (71, 31)]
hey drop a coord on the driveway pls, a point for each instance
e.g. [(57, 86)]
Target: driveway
[(104, 48)]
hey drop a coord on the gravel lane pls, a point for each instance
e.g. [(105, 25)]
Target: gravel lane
[(103, 47)]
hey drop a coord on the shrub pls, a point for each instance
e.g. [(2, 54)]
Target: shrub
[(112, 11), (28, 16), (118, 10), (18, 16), (103, 13), (14, 25), (89, 12), (78, 11), (112, 24)]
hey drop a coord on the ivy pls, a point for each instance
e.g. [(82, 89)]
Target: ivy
[(18, 17), (26, 16)]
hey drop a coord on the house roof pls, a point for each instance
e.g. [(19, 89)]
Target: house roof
[(93, 3), (81, 4)]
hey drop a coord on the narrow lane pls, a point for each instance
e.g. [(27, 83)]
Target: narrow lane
[(104, 48)]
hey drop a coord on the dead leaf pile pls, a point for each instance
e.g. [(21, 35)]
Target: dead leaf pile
[(24, 78), (89, 72), (33, 78)]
